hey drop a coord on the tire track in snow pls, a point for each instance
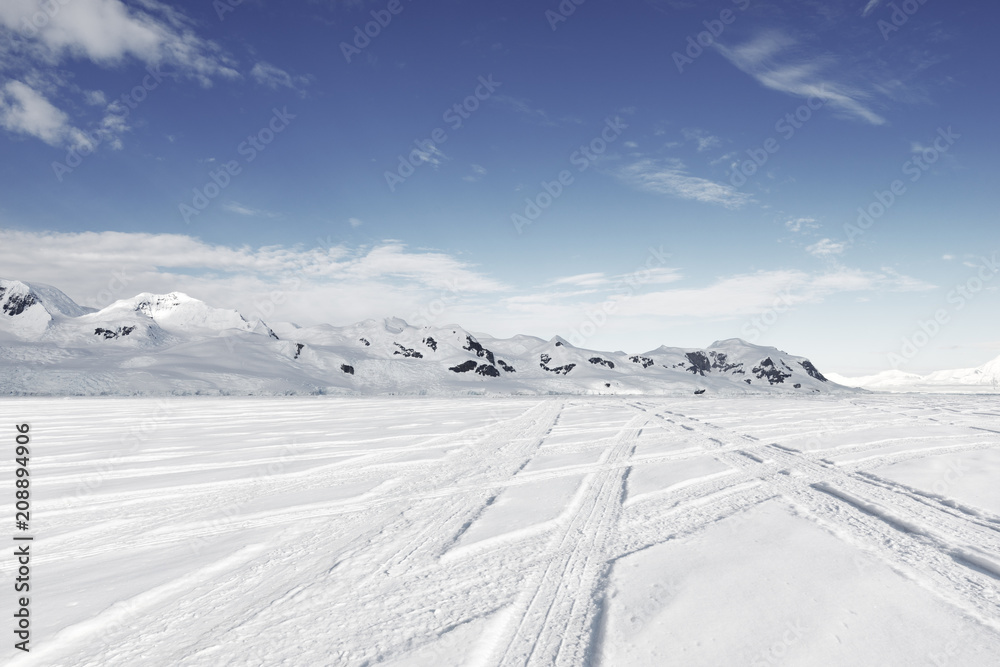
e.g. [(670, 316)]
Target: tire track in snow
[(917, 540), (389, 573), (552, 623)]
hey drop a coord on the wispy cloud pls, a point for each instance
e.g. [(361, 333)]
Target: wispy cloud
[(768, 58), (330, 282), (670, 177), (525, 108), (703, 139), (274, 77), (39, 101), (825, 248), (870, 7), (798, 224), (355, 222), (240, 209), (24, 110), (478, 171), (748, 294)]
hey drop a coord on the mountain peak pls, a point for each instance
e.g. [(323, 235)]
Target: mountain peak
[(27, 309)]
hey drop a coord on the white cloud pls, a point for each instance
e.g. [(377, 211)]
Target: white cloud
[(750, 294), (870, 7), (240, 209), (332, 283), (825, 248), (109, 31), (433, 156), (95, 98), (798, 224), (583, 280), (23, 110), (947, 258), (42, 34), (355, 222), (670, 177), (478, 171), (766, 59), (704, 140), (339, 284), (274, 77)]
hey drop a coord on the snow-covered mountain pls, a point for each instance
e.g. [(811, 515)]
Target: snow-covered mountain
[(985, 378), (175, 344)]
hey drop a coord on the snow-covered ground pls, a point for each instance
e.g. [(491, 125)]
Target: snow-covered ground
[(836, 530)]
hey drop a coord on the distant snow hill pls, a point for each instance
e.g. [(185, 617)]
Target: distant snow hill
[(173, 344), (985, 378)]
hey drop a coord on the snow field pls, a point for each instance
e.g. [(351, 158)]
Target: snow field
[(859, 530)]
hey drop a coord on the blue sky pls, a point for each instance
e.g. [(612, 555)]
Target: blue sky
[(713, 158)]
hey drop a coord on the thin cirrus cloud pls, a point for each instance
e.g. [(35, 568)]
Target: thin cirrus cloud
[(870, 7), (798, 224), (749, 294), (768, 59), (249, 211), (274, 77), (669, 177), (825, 248), (339, 284)]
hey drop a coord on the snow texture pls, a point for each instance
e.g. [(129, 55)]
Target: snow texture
[(566, 531)]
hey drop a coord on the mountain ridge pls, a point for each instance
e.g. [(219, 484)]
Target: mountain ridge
[(173, 343)]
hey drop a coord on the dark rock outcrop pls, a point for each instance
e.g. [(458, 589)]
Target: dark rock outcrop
[(812, 370), (110, 334), (768, 369), (17, 304), (699, 363), (645, 361), (473, 345), (407, 352), (602, 362)]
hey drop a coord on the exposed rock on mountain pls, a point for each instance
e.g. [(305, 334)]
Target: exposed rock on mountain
[(175, 344)]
